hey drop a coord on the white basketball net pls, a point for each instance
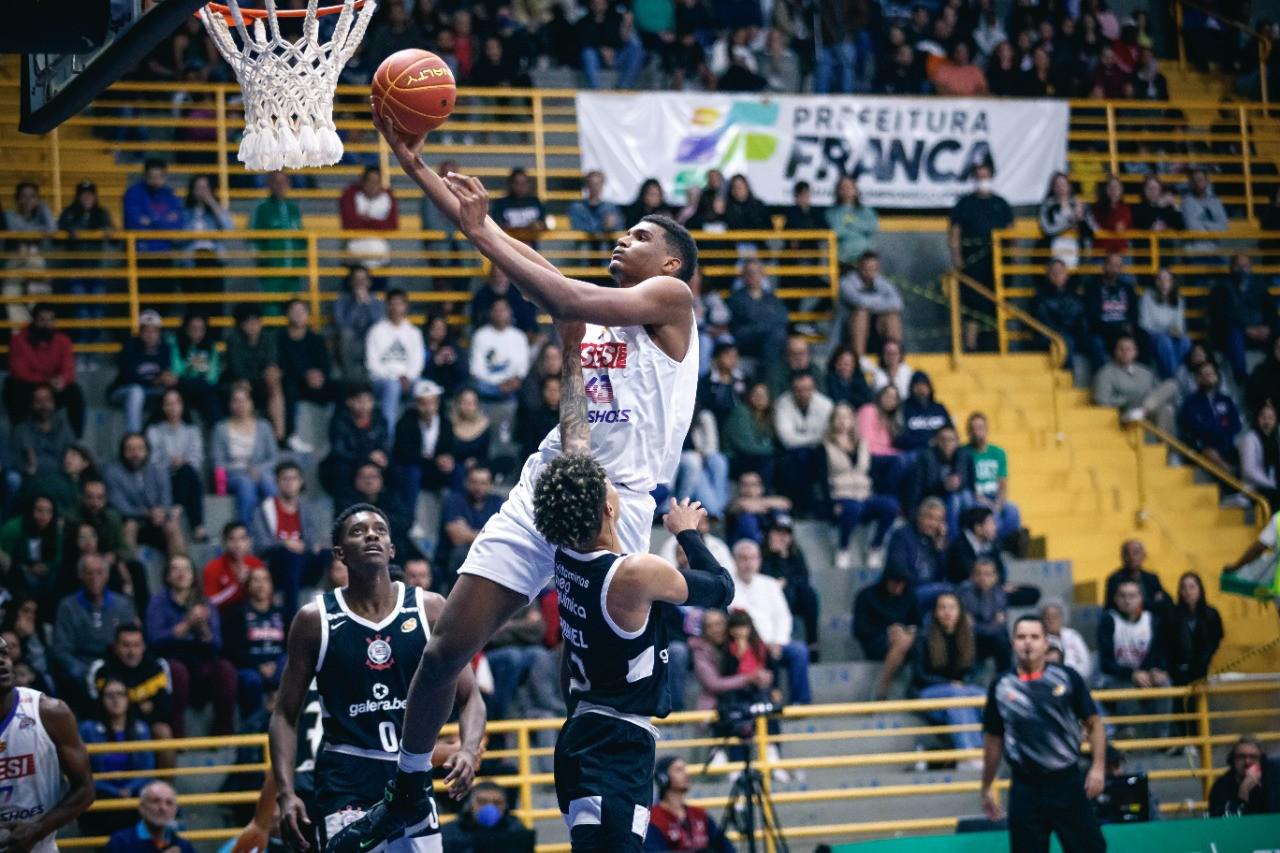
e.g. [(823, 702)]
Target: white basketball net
[(288, 86)]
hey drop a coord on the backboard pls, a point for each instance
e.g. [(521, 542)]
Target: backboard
[(56, 86)]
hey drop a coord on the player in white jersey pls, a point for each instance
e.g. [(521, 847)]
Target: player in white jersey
[(640, 354), (45, 781)]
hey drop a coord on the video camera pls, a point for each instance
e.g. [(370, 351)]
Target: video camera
[(737, 719)]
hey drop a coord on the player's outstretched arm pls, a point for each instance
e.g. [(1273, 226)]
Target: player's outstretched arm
[(472, 717), (409, 153), (658, 301), (645, 578), (575, 432), (299, 670), (60, 723)]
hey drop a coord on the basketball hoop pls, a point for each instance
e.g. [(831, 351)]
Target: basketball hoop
[(288, 86)]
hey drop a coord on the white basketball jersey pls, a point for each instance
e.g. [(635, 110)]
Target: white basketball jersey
[(31, 781), (639, 405)]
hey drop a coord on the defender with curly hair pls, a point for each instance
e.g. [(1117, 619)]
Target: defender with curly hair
[(640, 354)]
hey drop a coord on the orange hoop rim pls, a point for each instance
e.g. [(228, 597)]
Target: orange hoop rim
[(256, 13)]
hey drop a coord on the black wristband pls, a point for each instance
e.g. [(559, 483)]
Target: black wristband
[(709, 582)]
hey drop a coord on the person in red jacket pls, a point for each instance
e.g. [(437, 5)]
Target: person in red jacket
[(673, 823), (368, 205), (227, 575), (40, 355)]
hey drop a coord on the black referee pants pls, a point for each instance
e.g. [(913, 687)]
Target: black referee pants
[(1053, 804)]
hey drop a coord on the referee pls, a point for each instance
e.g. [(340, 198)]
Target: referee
[(1033, 714)]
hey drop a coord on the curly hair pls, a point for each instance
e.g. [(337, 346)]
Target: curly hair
[(568, 501)]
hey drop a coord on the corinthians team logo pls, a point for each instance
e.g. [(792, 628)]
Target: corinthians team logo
[(379, 653)]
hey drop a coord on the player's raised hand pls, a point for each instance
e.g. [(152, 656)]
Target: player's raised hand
[(571, 334), (462, 773), (407, 149), (685, 515), (473, 201)]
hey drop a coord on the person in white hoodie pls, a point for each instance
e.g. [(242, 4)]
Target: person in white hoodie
[(394, 354), (499, 355)]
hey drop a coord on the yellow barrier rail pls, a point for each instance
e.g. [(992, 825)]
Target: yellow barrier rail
[(154, 269), (1214, 727), (1263, 43), (537, 130)]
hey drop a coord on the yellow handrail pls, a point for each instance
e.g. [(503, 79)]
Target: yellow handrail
[(1262, 509), (1057, 346), (1264, 43), (862, 725)]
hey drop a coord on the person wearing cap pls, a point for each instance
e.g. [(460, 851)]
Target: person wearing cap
[(886, 618), (784, 561), (421, 455), (86, 213), (724, 384), (142, 371), (674, 823)]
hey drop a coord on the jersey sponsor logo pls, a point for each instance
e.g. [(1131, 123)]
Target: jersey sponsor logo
[(17, 766), (376, 706), (606, 355), (21, 814), (1059, 689), (380, 691), (409, 626), (379, 653), (613, 416), (599, 389)]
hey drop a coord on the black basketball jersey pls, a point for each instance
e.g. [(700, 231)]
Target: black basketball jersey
[(364, 670), (601, 663), (310, 731)]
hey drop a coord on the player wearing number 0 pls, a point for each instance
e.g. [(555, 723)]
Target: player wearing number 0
[(614, 664), (640, 352), (360, 644), (45, 782)]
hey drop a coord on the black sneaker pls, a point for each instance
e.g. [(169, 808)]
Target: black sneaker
[(393, 817)]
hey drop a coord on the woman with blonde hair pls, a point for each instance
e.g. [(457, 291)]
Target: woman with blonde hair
[(849, 480)]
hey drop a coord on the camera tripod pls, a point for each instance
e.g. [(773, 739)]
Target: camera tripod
[(747, 798)]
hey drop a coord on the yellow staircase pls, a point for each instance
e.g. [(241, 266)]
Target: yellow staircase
[(1081, 493)]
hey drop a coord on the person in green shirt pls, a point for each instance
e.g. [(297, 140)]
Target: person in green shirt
[(198, 366), (991, 477), (855, 224), (747, 438), (277, 212)]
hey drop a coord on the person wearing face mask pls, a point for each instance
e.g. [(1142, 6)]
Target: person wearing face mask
[(973, 219), (486, 825)]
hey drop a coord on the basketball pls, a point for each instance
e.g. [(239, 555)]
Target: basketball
[(414, 90)]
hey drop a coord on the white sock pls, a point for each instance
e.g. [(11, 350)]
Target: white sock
[(414, 762)]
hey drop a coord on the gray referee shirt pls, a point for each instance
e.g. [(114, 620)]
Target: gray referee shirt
[(1039, 718)]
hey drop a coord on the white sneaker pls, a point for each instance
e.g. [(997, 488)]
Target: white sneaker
[(781, 777), (844, 560), (875, 559), (719, 758), (970, 764), (1137, 413), (298, 445)]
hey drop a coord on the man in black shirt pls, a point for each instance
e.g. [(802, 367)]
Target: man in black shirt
[(1033, 715), (1133, 556), (304, 368), (145, 676), (973, 219)]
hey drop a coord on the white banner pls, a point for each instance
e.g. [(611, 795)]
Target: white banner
[(904, 152)]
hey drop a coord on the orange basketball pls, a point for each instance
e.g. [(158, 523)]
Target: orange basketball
[(414, 89)]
